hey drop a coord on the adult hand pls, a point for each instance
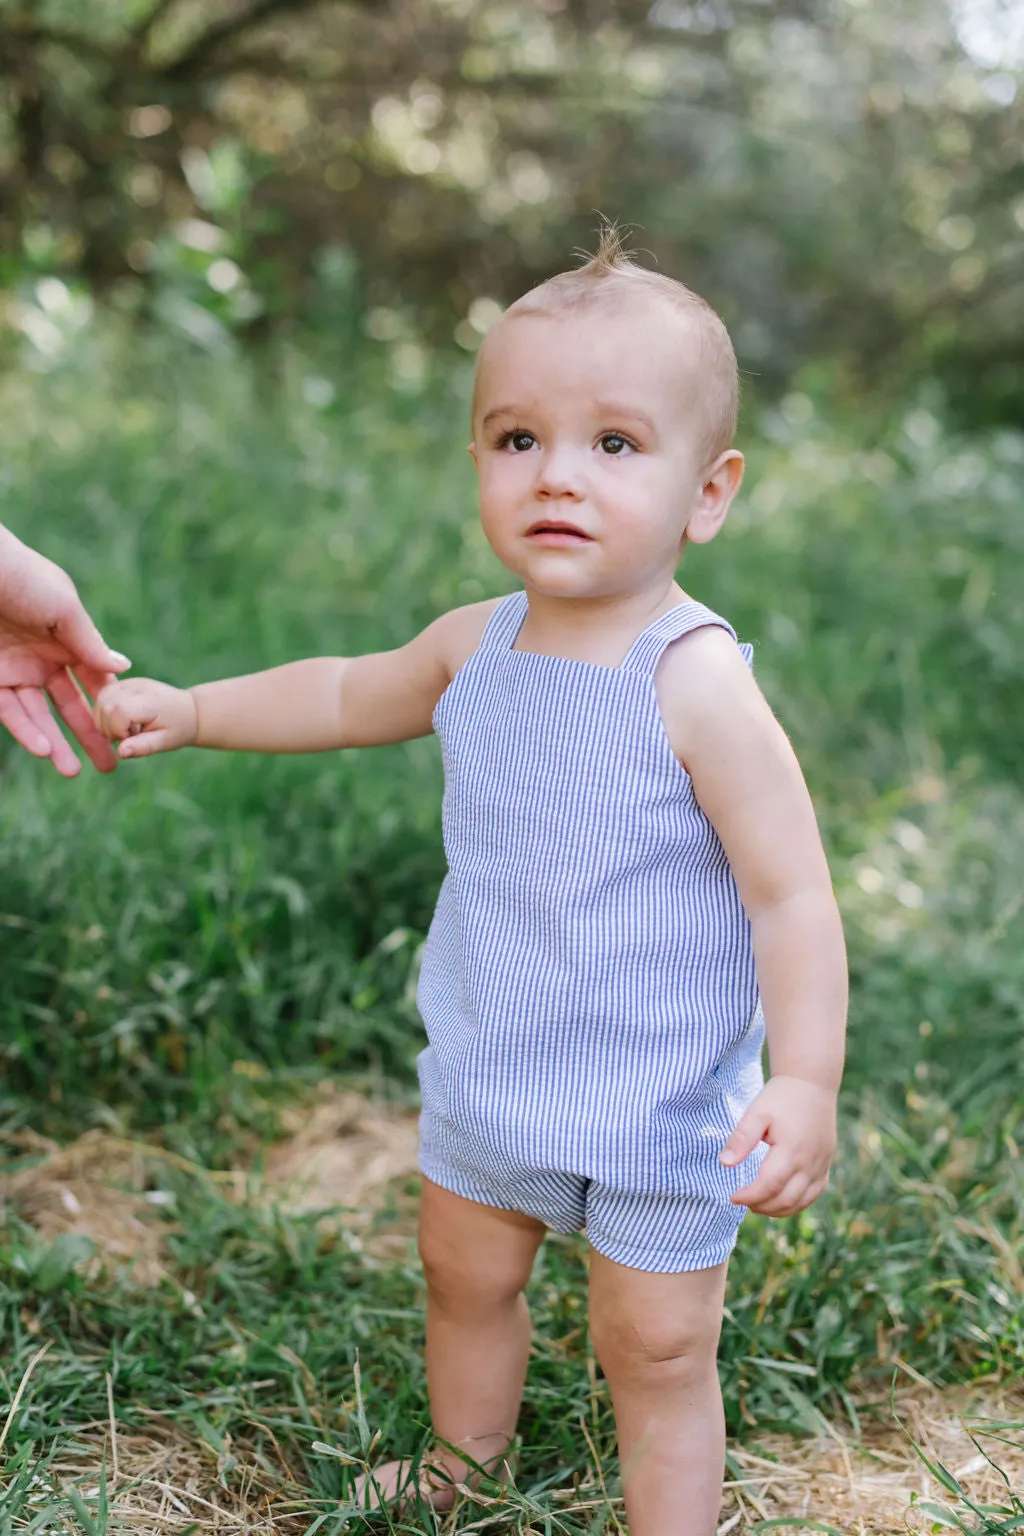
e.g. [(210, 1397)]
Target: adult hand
[(47, 640)]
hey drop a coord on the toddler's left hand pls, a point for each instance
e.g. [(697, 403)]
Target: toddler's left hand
[(797, 1119)]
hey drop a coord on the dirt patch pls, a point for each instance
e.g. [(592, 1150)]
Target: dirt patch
[(353, 1158), (159, 1482), (98, 1187), (340, 1153)]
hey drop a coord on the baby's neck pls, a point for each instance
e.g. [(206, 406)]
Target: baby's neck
[(599, 630)]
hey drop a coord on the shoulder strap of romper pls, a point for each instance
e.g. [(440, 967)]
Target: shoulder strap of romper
[(504, 623), (645, 652)]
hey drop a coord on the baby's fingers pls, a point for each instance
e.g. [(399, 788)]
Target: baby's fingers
[(153, 716), (750, 1130), (792, 1197), (774, 1174), (121, 710), (145, 743)]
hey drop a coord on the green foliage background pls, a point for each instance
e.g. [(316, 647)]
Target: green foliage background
[(275, 905)]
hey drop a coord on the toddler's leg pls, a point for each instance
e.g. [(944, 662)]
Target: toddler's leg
[(476, 1260), (656, 1337)]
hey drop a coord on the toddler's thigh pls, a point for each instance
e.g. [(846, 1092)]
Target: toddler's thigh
[(466, 1245)]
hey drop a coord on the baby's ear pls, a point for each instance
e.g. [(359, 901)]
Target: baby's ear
[(721, 481), (471, 450)]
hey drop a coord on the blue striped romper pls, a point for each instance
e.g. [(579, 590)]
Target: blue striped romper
[(588, 983)]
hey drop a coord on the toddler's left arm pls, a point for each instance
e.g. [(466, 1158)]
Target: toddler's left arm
[(748, 783)]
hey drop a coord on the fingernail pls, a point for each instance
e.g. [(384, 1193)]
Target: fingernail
[(126, 750), (122, 661)]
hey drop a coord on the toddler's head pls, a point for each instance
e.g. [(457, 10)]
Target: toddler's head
[(604, 410)]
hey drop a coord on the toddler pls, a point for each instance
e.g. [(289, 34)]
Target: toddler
[(634, 870)]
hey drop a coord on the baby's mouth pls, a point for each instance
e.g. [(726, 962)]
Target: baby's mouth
[(556, 532)]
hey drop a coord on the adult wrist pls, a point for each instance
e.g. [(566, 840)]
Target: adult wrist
[(12, 552)]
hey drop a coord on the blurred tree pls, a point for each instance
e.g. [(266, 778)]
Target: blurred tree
[(843, 177), (416, 130), (858, 187)]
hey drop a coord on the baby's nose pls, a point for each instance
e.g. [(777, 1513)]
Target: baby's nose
[(559, 474)]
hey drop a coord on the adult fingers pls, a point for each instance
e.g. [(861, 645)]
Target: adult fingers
[(92, 682), (145, 744), (38, 711), (24, 730), (87, 647), (75, 712)]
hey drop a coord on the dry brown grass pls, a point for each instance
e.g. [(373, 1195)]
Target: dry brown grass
[(161, 1480), (865, 1487), (95, 1187), (339, 1147), (337, 1143)]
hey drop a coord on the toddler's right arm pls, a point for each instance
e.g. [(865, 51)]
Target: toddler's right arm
[(317, 705)]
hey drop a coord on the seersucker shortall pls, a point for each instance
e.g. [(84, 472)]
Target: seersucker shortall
[(587, 984)]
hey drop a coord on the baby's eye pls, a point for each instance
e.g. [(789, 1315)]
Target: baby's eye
[(518, 441), (614, 442)]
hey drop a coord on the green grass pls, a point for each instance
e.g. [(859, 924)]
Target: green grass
[(191, 913)]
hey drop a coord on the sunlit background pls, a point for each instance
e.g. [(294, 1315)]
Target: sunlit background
[(843, 179)]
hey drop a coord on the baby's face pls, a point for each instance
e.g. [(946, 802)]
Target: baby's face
[(586, 438)]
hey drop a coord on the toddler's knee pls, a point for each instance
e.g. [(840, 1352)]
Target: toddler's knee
[(466, 1278), (644, 1346)]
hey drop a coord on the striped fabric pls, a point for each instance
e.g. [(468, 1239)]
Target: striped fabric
[(588, 982)]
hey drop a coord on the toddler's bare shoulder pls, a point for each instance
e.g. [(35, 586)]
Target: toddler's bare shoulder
[(457, 633), (707, 695), (704, 665)]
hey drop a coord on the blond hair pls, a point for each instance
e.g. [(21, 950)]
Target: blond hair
[(610, 275)]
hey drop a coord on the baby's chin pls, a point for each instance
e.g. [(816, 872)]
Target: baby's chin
[(555, 577)]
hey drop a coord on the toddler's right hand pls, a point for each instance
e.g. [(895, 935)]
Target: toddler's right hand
[(146, 716)]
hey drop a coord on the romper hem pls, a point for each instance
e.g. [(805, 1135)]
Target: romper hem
[(663, 1261), (458, 1183)]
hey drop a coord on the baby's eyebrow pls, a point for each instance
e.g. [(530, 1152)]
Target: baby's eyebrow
[(609, 409), (615, 409), (500, 410)]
